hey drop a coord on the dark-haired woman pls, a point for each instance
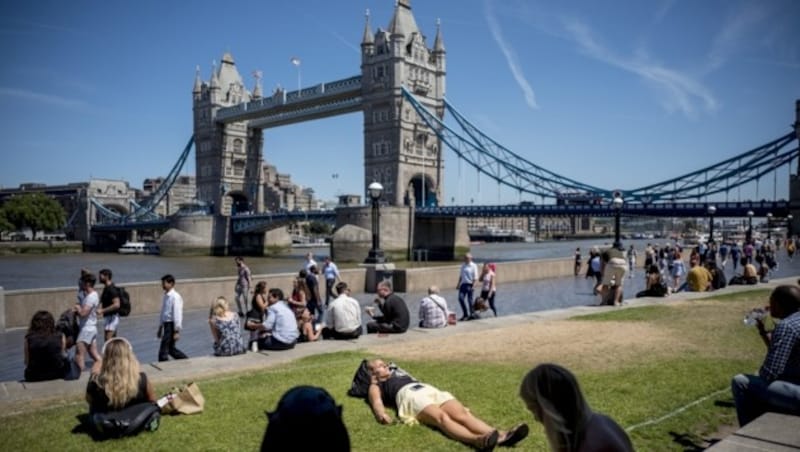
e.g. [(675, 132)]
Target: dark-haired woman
[(45, 350)]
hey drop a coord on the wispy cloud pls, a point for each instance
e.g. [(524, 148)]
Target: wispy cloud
[(347, 43), (511, 58), (737, 23), (685, 94), (663, 9), (48, 99)]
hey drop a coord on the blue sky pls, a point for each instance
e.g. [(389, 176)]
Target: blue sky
[(618, 94)]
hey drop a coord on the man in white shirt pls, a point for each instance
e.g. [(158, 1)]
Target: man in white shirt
[(433, 310), (169, 330), (467, 278), (310, 262), (331, 272), (343, 318)]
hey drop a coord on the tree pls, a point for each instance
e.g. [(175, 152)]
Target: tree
[(36, 211), (5, 225), (320, 228)]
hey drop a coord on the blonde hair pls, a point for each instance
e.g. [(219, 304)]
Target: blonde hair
[(220, 306), (554, 397), (119, 373)]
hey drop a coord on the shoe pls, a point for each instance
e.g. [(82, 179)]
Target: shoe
[(515, 435), (489, 441), (463, 318), (241, 314)]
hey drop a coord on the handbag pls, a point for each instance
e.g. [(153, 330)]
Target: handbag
[(185, 400), (128, 421)]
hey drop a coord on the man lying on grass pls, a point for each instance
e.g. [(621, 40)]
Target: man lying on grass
[(417, 401), (777, 385)]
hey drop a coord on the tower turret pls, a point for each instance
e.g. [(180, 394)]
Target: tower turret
[(367, 41), (198, 84)]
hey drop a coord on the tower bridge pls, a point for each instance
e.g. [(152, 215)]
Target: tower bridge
[(401, 93)]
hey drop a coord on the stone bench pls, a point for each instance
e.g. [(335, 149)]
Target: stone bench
[(770, 431)]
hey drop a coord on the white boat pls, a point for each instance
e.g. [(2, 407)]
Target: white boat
[(138, 248)]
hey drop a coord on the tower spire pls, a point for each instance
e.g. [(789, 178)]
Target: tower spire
[(367, 39), (214, 76), (197, 82), (438, 43)]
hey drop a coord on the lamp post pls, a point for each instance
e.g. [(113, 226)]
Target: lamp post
[(711, 211), (617, 205), (749, 237), (769, 226), (375, 256)]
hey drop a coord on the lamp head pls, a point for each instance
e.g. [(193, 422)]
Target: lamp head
[(712, 210), (789, 217), (617, 202), (769, 215), (375, 190), (750, 213)]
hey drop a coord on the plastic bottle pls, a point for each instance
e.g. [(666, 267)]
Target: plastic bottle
[(753, 316)]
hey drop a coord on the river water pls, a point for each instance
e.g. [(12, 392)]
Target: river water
[(61, 270)]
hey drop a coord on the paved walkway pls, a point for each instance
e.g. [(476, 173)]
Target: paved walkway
[(16, 396)]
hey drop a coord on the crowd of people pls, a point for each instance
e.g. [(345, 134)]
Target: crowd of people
[(665, 269)]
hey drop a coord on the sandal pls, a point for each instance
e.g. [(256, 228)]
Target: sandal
[(489, 441), (515, 435)]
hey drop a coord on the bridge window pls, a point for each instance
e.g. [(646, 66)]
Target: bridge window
[(237, 145), (228, 171)]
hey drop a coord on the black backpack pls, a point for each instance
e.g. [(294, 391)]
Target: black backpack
[(127, 421), (124, 302)]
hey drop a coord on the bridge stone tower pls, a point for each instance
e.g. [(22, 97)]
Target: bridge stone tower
[(400, 151), (228, 156)]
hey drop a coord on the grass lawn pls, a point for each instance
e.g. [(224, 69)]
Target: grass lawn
[(706, 344)]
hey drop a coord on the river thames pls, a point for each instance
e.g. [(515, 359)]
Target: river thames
[(61, 270)]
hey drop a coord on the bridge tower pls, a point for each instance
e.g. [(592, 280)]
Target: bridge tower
[(400, 151), (794, 179), (228, 158)]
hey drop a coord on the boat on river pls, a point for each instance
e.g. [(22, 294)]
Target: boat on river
[(138, 248)]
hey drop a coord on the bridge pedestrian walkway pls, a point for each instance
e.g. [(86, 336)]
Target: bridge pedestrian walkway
[(17, 396)]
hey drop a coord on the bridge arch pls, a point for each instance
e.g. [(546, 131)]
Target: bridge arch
[(422, 191), (239, 203)]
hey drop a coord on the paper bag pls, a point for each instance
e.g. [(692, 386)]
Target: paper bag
[(187, 400)]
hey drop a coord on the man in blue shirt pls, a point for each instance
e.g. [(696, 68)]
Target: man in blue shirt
[(280, 322), (777, 385)]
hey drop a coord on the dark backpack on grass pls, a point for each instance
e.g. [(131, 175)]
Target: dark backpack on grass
[(124, 302), (128, 421)]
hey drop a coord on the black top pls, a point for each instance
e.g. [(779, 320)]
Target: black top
[(313, 284), (99, 400), (46, 360), (109, 293), (392, 386), (395, 312)]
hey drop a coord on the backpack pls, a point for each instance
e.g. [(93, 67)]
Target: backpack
[(67, 325), (124, 302), (128, 421)]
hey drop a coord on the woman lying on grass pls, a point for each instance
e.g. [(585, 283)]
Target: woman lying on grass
[(417, 401)]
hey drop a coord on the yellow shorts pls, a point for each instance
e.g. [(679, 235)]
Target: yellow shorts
[(415, 397)]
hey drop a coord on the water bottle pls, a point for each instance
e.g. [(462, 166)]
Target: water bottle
[(753, 316)]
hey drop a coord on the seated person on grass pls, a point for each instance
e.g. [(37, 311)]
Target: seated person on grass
[(420, 402), (777, 385), (654, 284), (554, 397), (395, 317)]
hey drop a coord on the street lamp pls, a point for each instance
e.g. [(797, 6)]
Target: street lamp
[(711, 211), (617, 205), (749, 237), (375, 256), (769, 225)]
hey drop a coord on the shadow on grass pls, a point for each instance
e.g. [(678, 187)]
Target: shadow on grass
[(689, 442), (84, 427)]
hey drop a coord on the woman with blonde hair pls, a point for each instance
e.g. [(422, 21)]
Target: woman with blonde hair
[(225, 329), (116, 382), (554, 397)]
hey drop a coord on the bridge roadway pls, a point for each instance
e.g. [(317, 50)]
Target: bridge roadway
[(517, 303)]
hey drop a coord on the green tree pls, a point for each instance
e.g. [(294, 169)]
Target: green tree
[(36, 211), (320, 228), (5, 225)]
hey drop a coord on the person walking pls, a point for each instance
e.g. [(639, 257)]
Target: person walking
[(109, 304), (631, 261), (87, 321), (243, 282), (331, 272), (467, 278), (488, 281), (169, 331), (577, 261)]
